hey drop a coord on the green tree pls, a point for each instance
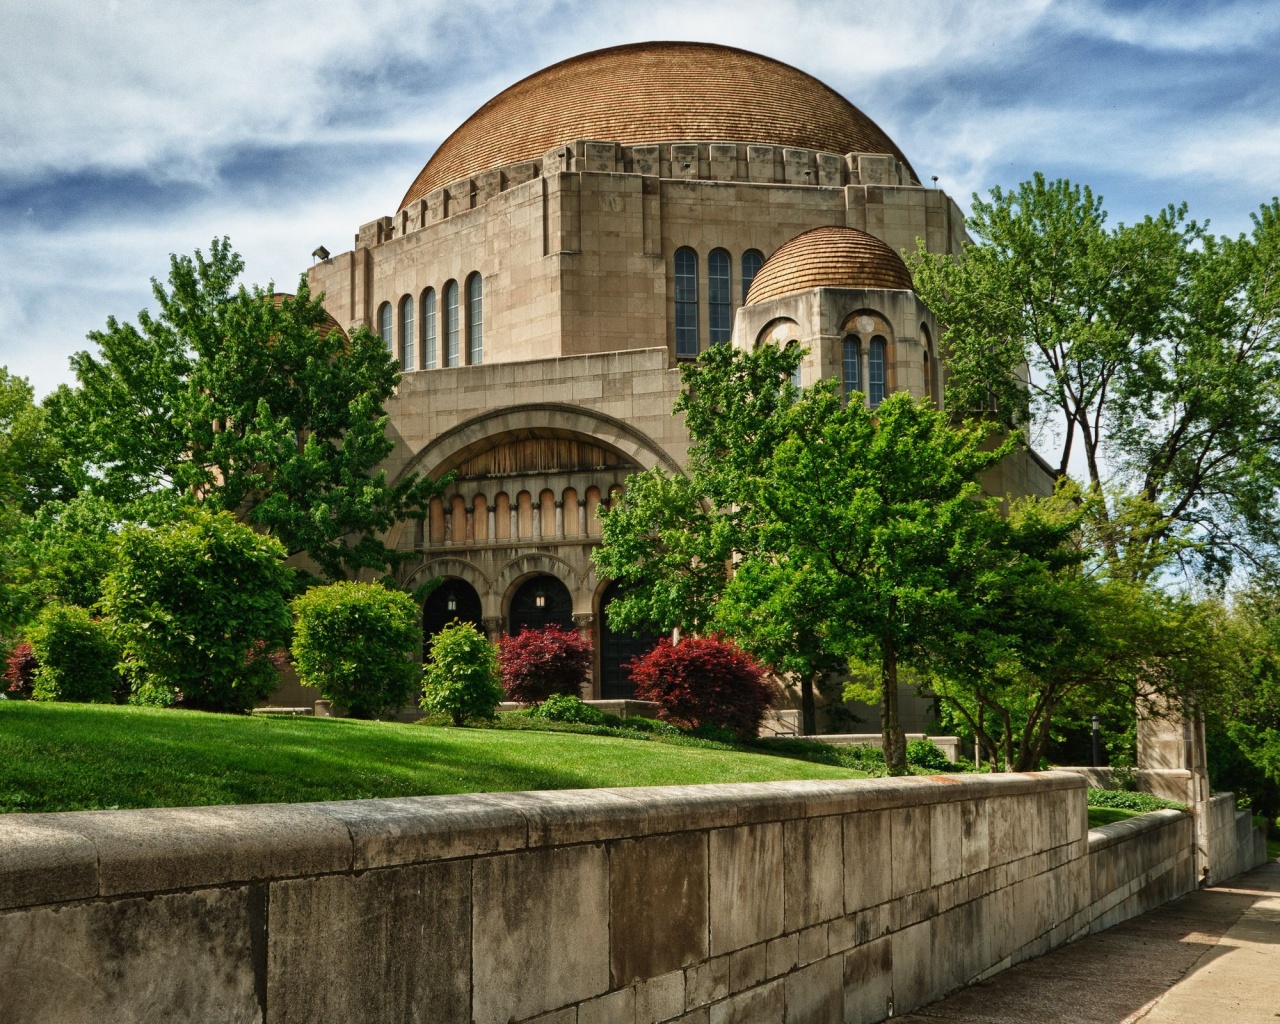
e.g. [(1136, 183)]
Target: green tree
[(677, 540), (31, 459), (354, 643), (859, 522), (200, 606), (462, 679), (249, 403), (1153, 348)]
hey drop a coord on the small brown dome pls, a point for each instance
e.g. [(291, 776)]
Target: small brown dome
[(829, 258), (325, 328), (654, 92)]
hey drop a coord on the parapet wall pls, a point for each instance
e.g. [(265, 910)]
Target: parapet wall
[(813, 901)]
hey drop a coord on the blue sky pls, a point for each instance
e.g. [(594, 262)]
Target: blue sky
[(130, 129)]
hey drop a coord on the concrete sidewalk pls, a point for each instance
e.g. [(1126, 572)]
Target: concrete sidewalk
[(1211, 956)]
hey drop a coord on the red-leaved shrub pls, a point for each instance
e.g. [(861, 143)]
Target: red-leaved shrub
[(20, 671), (704, 681), (539, 662)]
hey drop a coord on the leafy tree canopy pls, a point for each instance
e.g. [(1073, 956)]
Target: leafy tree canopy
[(249, 403), (814, 530), (1153, 348)]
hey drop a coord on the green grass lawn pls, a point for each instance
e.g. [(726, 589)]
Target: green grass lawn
[(57, 757), (1106, 815)]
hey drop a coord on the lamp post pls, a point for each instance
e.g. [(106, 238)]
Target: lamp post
[(1097, 743)]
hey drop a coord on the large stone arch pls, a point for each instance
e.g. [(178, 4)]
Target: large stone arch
[(451, 565), (478, 433), (539, 563)]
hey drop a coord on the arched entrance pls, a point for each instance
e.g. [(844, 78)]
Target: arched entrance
[(616, 649), (539, 602), (453, 599)]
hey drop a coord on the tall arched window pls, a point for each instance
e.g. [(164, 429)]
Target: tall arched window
[(408, 340), (429, 329), (852, 365), (752, 261), (475, 320), (384, 328), (719, 296), (451, 324), (686, 268), (875, 370)]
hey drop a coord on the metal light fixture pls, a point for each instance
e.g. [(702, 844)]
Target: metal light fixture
[(540, 600), (452, 603), (320, 253)]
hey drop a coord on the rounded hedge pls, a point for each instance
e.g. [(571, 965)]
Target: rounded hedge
[(76, 656), (354, 642), (462, 678), (537, 663), (704, 683), (199, 603)]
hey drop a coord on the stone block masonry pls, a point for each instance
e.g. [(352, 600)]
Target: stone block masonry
[(780, 902)]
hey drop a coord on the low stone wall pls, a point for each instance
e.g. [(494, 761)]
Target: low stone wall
[(949, 745), (1234, 844), (1139, 863), (810, 901)]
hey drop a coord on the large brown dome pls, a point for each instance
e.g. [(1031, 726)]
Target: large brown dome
[(829, 258), (654, 92)]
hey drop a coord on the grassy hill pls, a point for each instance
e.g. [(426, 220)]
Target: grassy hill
[(57, 757)]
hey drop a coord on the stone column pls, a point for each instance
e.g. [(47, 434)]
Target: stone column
[(560, 520), (492, 533), (582, 517), (493, 628), (585, 623), (537, 520), (515, 523), (448, 524), (471, 524)]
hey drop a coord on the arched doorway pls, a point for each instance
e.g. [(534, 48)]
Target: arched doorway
[(540, 601), (453, 599), (616, 649)]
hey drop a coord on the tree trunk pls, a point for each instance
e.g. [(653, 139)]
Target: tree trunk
[(892, 739), (808, 712)]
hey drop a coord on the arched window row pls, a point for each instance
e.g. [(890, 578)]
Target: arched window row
[(525, 515), (720, 301), (429, 333)]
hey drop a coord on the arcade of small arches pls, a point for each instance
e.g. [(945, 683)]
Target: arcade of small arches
[(459, 519)]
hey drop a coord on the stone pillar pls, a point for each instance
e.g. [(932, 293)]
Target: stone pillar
[(582, 517), (560, 520), (537, 520), (1172, 763), (493, 522), (493, 628), (515, 523), (448, 524), (586, 624), (471, 524)]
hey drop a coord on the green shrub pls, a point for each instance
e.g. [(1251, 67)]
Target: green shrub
[(924, 753), (649, 725), (462, 679), (354, 643), (76, 654), (201, 605), (1127, 801), (564, 707)]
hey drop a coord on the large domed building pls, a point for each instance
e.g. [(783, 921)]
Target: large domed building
[(569, 246)]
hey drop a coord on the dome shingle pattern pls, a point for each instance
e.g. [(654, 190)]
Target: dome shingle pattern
[(653, 92), (829, 257)]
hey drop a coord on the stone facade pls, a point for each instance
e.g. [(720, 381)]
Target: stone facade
[(559, 272)]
